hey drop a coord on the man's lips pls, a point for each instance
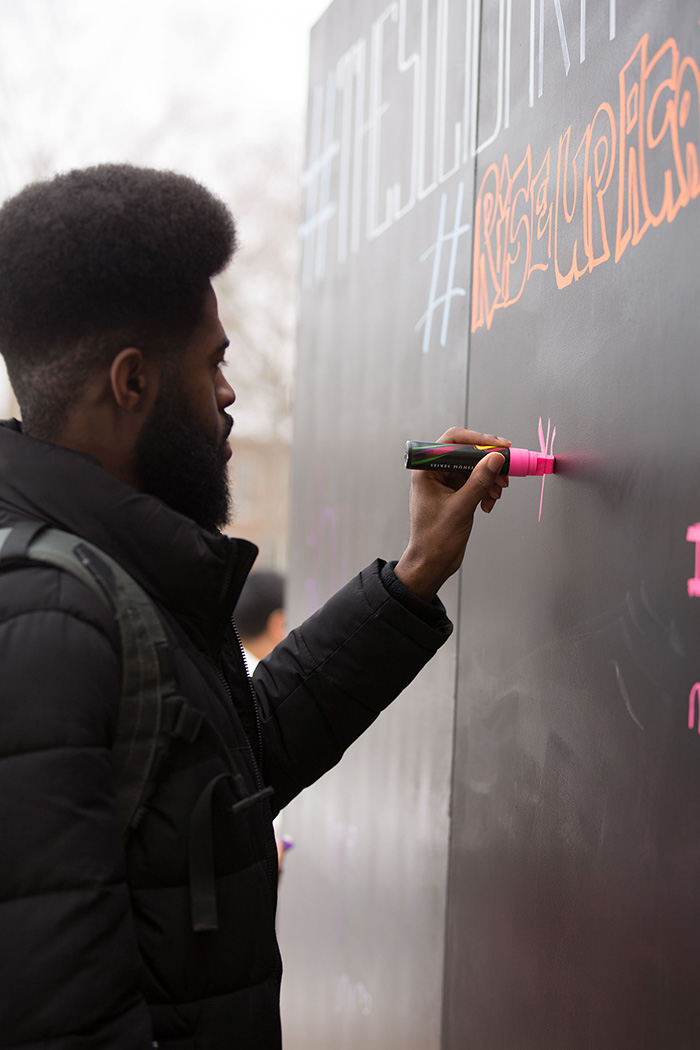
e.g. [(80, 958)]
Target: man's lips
[(226, 448)]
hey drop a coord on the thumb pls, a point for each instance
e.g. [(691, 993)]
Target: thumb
[(493, 465), (483, 485), (485, 473)]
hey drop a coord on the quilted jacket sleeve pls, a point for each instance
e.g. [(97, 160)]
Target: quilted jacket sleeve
[(331, 677), (68, 957)]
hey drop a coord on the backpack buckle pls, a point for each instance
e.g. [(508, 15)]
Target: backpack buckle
[(189, 723), (185, 720), (250, 800)]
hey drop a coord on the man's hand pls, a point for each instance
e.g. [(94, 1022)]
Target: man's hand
[(442, 508)]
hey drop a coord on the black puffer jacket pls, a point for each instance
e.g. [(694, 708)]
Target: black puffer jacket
[(97, 948)]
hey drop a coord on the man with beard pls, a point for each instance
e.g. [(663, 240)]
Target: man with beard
[(112, 340)]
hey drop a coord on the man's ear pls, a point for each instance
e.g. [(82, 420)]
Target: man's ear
[(133, 380)]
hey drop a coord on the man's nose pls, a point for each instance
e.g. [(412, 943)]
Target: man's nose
[(226, 395)]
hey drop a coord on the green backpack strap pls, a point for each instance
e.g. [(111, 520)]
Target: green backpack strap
[(148, 680), (151, 712)]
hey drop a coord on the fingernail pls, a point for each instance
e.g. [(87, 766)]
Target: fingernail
[(495, 463)]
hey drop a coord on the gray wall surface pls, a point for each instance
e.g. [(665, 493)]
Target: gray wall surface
[(500, 229)]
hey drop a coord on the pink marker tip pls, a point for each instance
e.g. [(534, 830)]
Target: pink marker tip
[(525, 464), (545, 464)]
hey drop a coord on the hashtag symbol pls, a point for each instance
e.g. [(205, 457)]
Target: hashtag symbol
[(436, 250)]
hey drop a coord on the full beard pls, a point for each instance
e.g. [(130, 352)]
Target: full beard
[(179, 463)]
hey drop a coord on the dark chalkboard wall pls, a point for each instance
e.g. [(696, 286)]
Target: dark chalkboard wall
[(500, 228)]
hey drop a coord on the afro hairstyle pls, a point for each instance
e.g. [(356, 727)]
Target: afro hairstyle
[(97, 259)]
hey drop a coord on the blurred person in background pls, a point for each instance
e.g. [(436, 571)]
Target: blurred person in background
[(260, 615)]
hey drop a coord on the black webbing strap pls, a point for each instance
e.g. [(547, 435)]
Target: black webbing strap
[(201, 861), (205, 914), (191, 724)]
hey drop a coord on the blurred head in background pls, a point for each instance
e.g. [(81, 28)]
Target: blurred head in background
[(260, 614)]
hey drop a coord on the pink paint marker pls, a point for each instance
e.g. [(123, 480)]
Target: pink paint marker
[(519, 463)]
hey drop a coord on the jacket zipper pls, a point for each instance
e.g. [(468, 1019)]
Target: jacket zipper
[(271, 863), (254, 697), (270, 859), (217, 664), (222, 678)]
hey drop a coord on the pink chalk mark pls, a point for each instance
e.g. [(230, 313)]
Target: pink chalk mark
[(693, 702), (693, 536), (546, 448)]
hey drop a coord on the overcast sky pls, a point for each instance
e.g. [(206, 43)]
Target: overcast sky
[(188, 84)]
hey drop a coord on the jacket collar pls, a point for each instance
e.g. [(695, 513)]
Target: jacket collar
[(196, 574)]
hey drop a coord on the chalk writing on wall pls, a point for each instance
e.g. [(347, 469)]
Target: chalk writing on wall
[(444, 300), (526, 210), (351, 997), (693, 706), (624, 693), (316, 181), (693, 536), (417, 66)]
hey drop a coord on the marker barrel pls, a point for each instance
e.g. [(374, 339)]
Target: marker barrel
[(519, 462)]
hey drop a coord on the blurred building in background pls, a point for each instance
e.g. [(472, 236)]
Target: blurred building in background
[(260, 485), (215, 90)]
